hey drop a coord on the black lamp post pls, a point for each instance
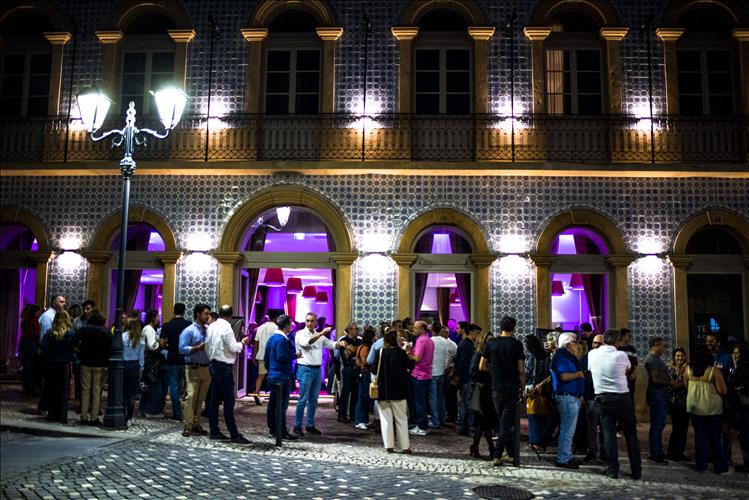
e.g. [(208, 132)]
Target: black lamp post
[(93, 107)]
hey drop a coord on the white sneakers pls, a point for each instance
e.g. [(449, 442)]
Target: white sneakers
[(362, 427), (416, 431)]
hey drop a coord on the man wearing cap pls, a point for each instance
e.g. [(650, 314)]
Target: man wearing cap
[(568, 383)]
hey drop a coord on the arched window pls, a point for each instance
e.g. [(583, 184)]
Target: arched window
[(705, 62), (26, 64), (148, 60)]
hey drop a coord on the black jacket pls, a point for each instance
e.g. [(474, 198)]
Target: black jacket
[(94, 344), (171, 331), (393, 378)]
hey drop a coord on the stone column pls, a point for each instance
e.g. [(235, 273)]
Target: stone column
[(613, 38), (41, 263), (619, 316), (327, 94), (110, 71), (742, 37), (681, 264), (252, 89), (481, 289), (405, 36), (98, 278), (58, 39), (537, 35), (344, 288), (543, 289), (181, 39), (404, 261), (169, 281), (227, 270), (480, 35), (669, 36)]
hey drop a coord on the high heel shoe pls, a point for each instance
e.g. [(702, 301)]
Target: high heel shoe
[(474, 451)]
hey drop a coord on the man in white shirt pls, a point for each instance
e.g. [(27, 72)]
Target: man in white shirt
[(222, 348), (262, 334), (152, 365), (444, 352), (46, 319), (310, 344), (609, 369)]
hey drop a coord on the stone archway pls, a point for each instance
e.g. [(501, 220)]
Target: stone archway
[(99, 254), (230, 254), (600, 10), (682, 262), (481, 257), (618, 259)]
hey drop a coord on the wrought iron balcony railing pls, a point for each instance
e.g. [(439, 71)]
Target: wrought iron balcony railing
[(528, 138)]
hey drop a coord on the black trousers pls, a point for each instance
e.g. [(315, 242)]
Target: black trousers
[(349, 392), (617, 410), (57, 380), (504, 406), (677, 442)]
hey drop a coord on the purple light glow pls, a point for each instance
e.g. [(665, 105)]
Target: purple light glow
[(296, 242), (441, 244), (565, 241), (16, 237)]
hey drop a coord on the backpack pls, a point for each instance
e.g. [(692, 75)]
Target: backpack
[(361, 361)]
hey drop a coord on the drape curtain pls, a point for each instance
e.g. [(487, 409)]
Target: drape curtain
[(9, 301), (424, 245), (592, 283), (443, 304), (257, 244), (138, 242), (262, 306), (462, 280), (291, 305)]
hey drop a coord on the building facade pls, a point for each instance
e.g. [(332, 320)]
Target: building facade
[(557, 161)]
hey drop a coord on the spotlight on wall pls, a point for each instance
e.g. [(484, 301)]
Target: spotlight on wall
[(283, 214)]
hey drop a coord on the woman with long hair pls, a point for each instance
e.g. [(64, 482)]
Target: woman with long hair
[(537, 388), (392, 367), (705, 386), (363, 402), (58, 353), (485, 418), (678, 406), (133, 346), (28, 346)]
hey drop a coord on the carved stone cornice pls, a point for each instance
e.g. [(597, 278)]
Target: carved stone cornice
[(254, 34), (57, 37), (741, 34), (230, 258), (109, 36), (613, 34), (329, 34), (404, 33), (183, 36), (481, 32), (41, 257), (669, 34), (537, 33), (170, 257), (543, 260), (483, 259), (97, 256), (620, 260), (404, 259), (343, 258), (680, 261)]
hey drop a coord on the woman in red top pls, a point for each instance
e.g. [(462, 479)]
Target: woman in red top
[(28, 346)]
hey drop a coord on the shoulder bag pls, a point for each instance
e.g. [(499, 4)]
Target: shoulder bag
[(374, 388)]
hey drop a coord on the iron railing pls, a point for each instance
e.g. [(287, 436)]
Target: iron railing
[(528, 138)]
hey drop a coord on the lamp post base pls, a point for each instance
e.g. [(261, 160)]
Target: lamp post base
[(114, 418)]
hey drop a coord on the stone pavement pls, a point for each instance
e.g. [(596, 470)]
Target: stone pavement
[(156, 461)]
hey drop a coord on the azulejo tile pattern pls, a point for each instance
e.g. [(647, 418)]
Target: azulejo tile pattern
[(653, 209)]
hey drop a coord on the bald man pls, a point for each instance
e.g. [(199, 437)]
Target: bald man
[(422, 352)]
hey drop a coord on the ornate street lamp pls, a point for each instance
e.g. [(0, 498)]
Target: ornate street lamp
[(93, 106)]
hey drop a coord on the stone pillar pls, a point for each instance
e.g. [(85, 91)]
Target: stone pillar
[(110, 69), (742, 37), (405, 36), (344, 288), (181, 39), (41, 264), (480, 35), (98, 277), (481, 289), (404, 261), (227, 270), (327, 95), (58, 39), (613, 38), (252, 89), (681, 264), (169, 282), (669, 36), (543, 289), (619, 315), (537, 35)]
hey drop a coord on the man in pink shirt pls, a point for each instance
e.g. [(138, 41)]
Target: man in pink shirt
[(422, 352)]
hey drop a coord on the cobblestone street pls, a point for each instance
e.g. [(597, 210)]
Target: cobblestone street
[(152, 460)]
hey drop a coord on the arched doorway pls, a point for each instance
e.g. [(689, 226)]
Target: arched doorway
[(24, 256), (588, 247), (711, 278), (440, 253), (149, 268)]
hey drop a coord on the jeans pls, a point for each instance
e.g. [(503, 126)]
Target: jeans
[(222, 389), (658, 401), (504, 406), (349, 392), (363, 402), (309, 391), (569, 407), (279, 388), (592, 420), (465, 417), (130, 387), (437, 400), (173, 374), (536, 428), (708, 433), (420, 388), (616, 410), (679, 426)]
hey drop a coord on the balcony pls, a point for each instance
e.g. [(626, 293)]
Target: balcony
[(574, 140)]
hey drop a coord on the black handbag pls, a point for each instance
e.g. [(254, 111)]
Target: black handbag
[(474, 400)]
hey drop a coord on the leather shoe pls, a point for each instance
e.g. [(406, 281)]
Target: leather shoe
[(659, 460), (240, 439), (219, 437), (298, 432), (569, 465), (344, 420), (313, 430), (186, 433), (289, 437), (612, 475), (636, 475), (199, 431)]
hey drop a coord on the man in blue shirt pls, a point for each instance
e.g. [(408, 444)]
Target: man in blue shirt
[(45, 320), (279, 353), (568, 382), (197, 376)]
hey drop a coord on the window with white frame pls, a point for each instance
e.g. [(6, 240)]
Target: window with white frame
[(292, 81), (24, 84), (442, 83), (705, 82)]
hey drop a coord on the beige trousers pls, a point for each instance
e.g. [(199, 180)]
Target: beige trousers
[(92, 383), (394, 422), (198, 380)]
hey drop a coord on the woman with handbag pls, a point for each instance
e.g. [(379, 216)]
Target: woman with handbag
[(538, 389), (390, 389), (480, 401), (705, 386), (738, 383)]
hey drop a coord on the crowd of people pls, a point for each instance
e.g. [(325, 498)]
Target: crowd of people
[(403, 378)]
